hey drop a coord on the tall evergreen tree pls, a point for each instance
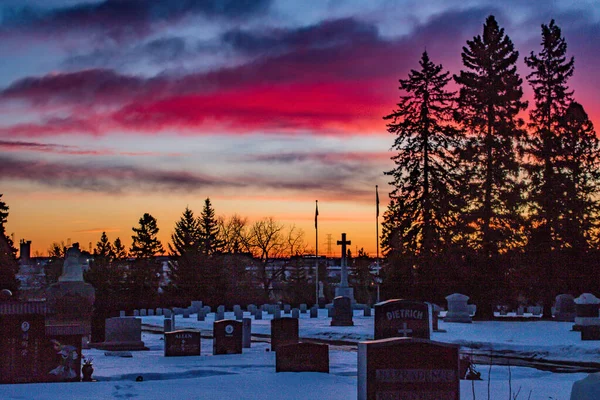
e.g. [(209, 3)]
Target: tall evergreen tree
[(144, 274), (392, 230), (119, 251), (550, 72), (104, 249), (186, 236), (425, 141), (8, 254), (209, 230), (185, 250), (579, 167), (489, 104), (145, 242), (106, 274)]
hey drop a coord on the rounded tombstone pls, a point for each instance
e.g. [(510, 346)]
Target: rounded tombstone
[(5, 294)]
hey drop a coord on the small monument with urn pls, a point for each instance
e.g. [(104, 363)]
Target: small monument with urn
[(69, 304)]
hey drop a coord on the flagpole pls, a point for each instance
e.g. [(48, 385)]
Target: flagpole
[(377, 235), (316, 254)]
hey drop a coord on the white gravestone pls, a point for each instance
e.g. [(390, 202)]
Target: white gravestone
[(458, 309), (72, 268)]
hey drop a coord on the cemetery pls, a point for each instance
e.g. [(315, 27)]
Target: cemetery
[(162, 162), (314, 358), (397, 349)]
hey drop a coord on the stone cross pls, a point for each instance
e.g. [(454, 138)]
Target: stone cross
[(343, 243), (404, 331)]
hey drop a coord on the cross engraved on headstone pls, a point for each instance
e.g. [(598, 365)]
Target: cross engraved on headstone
[(404, 331)]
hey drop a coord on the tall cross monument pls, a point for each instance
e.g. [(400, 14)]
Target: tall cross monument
[(344, 289)]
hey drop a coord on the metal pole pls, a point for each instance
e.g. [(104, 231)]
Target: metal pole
[(316, 254), (377, 237)]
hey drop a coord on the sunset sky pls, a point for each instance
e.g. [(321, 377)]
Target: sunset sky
[(111, 109)]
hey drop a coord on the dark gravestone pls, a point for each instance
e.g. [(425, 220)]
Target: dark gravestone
[(342, 314), (404, 368), (314, 312), (24, 348), (246, 332), (591, 332), (227, 337), (302, 357), (182, 343), (402, 318), (283, 331)]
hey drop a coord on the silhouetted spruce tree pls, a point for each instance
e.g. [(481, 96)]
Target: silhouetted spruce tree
[(550, 72), (104, 250), (579, 168), (119, 251), (107, 275), (185, 252), (144, 273), (8, 255), (425, 141), (392, 230), (186, 235), (489, 102), (209, 230)]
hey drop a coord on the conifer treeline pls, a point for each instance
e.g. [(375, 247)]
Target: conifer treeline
[(482, 201), (208, 259)]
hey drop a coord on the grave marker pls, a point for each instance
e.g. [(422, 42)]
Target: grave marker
[(24, 348), (402, 318), (167, 325), (458, 309), (342, 315), (246, 332), (182, 343), (586, 311), (403, 368), (302, 357), (122, 333), (227, 337), (314, 312), (565, 308), (283, 331)]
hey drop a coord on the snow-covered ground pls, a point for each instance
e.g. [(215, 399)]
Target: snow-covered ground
[(252, 375)]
